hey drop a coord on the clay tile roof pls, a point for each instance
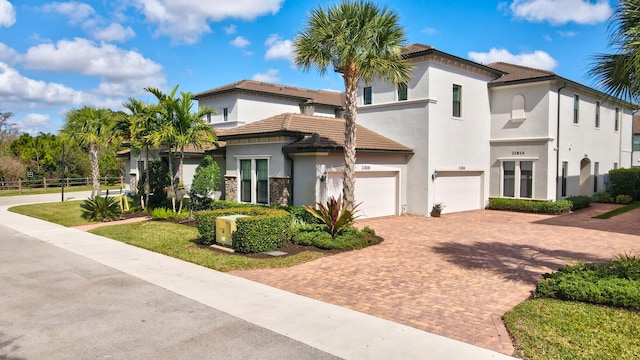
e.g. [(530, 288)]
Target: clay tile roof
[(323, 97), (416, 48), (314, 133), (517, 72)]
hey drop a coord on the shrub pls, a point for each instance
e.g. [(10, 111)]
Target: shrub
[(227, 204), (579, 202), (308, 234), (299, 213), (264, 230), (603, 197), (623, 199), (336, 214), (100, 208), (625, 181), (166, 214), (205, 181), (350, 239), (531, 206), (158, 181), (615, 283)]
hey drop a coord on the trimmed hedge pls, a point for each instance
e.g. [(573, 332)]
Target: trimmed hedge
[(317, 235), (625, 181), (530, 206), (264, 230), (579, 202), (229, 204), (299, 213)]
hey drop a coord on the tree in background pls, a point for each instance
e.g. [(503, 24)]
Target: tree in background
[(363, 42), (205, 181), (619, 73), (89, 127)]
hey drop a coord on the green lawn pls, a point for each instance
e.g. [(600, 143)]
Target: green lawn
[(178, 241), (557, 329), (66, 213), (54, 190), (618, 211)]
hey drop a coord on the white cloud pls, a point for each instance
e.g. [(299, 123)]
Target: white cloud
[(230, 30), (278, 48), (8, 54), (76, 11), (537, 59), (428, 31), (33, 123), (567, 34), (270, 76), (558, 12), (240, 42), (7, 13), (185, 21), (122, 72), (114, 32)]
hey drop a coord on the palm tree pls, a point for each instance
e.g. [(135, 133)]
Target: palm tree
[(138, 127), (619, 73), (363, 42), (89, 127), (180, 127)]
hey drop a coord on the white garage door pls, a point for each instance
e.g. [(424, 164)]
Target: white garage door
[(376, 190), (459, 191)]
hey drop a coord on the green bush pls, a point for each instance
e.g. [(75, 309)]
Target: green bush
[(579, 202), (625, 181), (338, 215), (100, 208), (158, 181), (615, 283), (530, 206), (603, 197), (350, 239), (227, 204), (308, 234), (264, 230), (299, 213), (166, 214), (205, 181), (623, 199)]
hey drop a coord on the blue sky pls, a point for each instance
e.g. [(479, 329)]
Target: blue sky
[(60, 55)]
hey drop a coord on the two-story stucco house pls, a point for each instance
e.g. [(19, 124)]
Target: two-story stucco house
[(457, 133)]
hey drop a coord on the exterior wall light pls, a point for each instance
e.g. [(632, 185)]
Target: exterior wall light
[(434, 175), (323, 177)]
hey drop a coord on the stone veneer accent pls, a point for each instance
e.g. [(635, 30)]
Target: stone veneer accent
[(230, 188), (279, 190)]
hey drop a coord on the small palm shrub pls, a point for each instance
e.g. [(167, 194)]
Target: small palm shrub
[(100, 208), (623, 199), (336, 214), (166, 214)]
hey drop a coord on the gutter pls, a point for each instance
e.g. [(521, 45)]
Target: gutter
[(558, 180)]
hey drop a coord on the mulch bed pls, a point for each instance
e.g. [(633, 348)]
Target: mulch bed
[(289, 248)]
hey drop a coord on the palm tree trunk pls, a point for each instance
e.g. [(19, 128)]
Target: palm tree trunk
[(95, 169), (349, 175)]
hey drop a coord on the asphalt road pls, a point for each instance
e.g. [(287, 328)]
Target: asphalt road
[(58, 305)]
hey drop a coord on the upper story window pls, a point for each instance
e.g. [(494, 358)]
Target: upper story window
[(636, 142), (616, 121), (457, 101), (367, 95), (597, 114), (225, 114), (402, 92), (576, 108)]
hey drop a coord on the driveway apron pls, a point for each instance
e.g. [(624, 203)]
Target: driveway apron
[(457, 275)]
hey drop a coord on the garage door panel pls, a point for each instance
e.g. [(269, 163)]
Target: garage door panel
[(375, 191), (459, 192)]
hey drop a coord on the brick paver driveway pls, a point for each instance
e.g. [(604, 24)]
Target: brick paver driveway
[(456, 275)]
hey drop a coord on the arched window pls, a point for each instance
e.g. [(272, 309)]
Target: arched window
[(517, 109)]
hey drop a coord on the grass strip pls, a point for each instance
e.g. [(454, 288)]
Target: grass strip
[(556, 329), (66, 213), (618, 211), (178, 241)]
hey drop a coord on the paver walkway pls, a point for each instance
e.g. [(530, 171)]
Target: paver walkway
[(456, 275)]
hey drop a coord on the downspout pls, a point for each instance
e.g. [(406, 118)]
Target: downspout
[(288, 156), (558, 180)]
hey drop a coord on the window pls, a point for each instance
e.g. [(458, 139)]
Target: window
[(517, 109), (509, 178), (596, 170), (597, 114), (225, 114), (254, 181), (526, 179), (457, 100), (616, 121), (565, 166), (367, 95), (576, 108), (209, 118), (402, 92), (615, 165), (636, 142)]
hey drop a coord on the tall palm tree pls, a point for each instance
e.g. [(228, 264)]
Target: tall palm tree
[(363, 42), (619, 73), (180, 126), (89, 127), (138, 127)]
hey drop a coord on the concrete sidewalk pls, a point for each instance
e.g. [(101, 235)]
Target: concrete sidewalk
[(335, 330)]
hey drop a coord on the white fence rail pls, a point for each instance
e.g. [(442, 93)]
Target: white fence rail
[(49, 183)]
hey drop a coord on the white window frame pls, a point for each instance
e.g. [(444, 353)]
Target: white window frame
[(516, 185), (254, 177)]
